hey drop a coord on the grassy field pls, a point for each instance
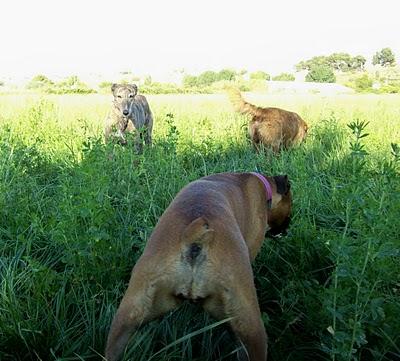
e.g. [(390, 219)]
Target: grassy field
[(73, 221)]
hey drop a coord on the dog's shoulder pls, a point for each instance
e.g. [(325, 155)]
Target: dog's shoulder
[(141, 99)]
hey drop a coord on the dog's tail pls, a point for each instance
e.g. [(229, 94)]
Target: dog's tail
[(195, 236), (240, 104)]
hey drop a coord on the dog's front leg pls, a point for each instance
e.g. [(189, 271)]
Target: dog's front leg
[(147, 136), (133, 312), (139, 142)]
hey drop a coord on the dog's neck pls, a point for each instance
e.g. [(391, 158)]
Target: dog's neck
[(267, 186)]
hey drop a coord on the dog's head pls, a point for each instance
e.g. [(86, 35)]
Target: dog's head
[(281, 205), (303, 130), (124, 95)]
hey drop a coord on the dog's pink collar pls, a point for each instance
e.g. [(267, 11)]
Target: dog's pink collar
[(267, 186)]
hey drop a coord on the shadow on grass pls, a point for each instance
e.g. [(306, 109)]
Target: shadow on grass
[(72, 231)]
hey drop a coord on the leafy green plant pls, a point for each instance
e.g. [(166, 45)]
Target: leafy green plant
[(321, 74)]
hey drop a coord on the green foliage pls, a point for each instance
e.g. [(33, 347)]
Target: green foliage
[(70, 85), (391, 88), (171, 88), (189, 81), (363, 83), (385, 57), (321, 74), (386, 80), (260, 75), (40, 82), (337, 61), (358, 63), (105, 85), (75, 214), (208, 78), (284, 77)]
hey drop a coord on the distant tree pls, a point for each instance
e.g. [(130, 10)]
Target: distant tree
[(340, 61), (1, 83), (311, 63), (358, 63), (148, 80), (284, 77), (40, 81), (189, 81), (71, 81), (207, 78), (105, 85), (336, 61), (226, 74), (385, 57), (72, 84), (262, 75), (321, 74)]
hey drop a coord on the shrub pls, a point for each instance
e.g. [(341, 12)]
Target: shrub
[(208, 78), (40, 82), (105, 85), (71, 84), (260, 75), (284, 77), (189, 81), (363, 83), (321, 74), (392, 88)]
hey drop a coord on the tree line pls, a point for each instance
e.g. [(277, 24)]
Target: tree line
[(322, 69)]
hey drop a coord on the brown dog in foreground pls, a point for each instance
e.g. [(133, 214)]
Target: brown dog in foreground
[(273, 127), (201, 250)]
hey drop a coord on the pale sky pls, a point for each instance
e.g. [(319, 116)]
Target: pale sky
[(65, 37)]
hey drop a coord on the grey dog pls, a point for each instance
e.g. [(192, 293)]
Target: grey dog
[(130, 113)]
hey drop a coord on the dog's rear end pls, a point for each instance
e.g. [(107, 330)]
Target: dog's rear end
[(200, 250)]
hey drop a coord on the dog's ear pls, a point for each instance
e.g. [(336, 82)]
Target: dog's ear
[(134, 88), (114, 87), (282, 184)]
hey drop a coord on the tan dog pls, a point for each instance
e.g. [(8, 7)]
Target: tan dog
[(201, 250), (273, 127), (130, 113)]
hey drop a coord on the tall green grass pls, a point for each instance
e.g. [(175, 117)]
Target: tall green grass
[(75, 215)]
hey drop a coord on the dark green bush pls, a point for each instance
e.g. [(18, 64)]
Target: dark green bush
[(321, 74)]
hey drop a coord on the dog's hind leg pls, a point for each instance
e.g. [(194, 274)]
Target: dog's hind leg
[(248, 326), (142, 302), (238, 301)]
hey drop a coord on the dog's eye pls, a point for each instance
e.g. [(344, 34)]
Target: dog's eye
[(119, 96), (130, 95)]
